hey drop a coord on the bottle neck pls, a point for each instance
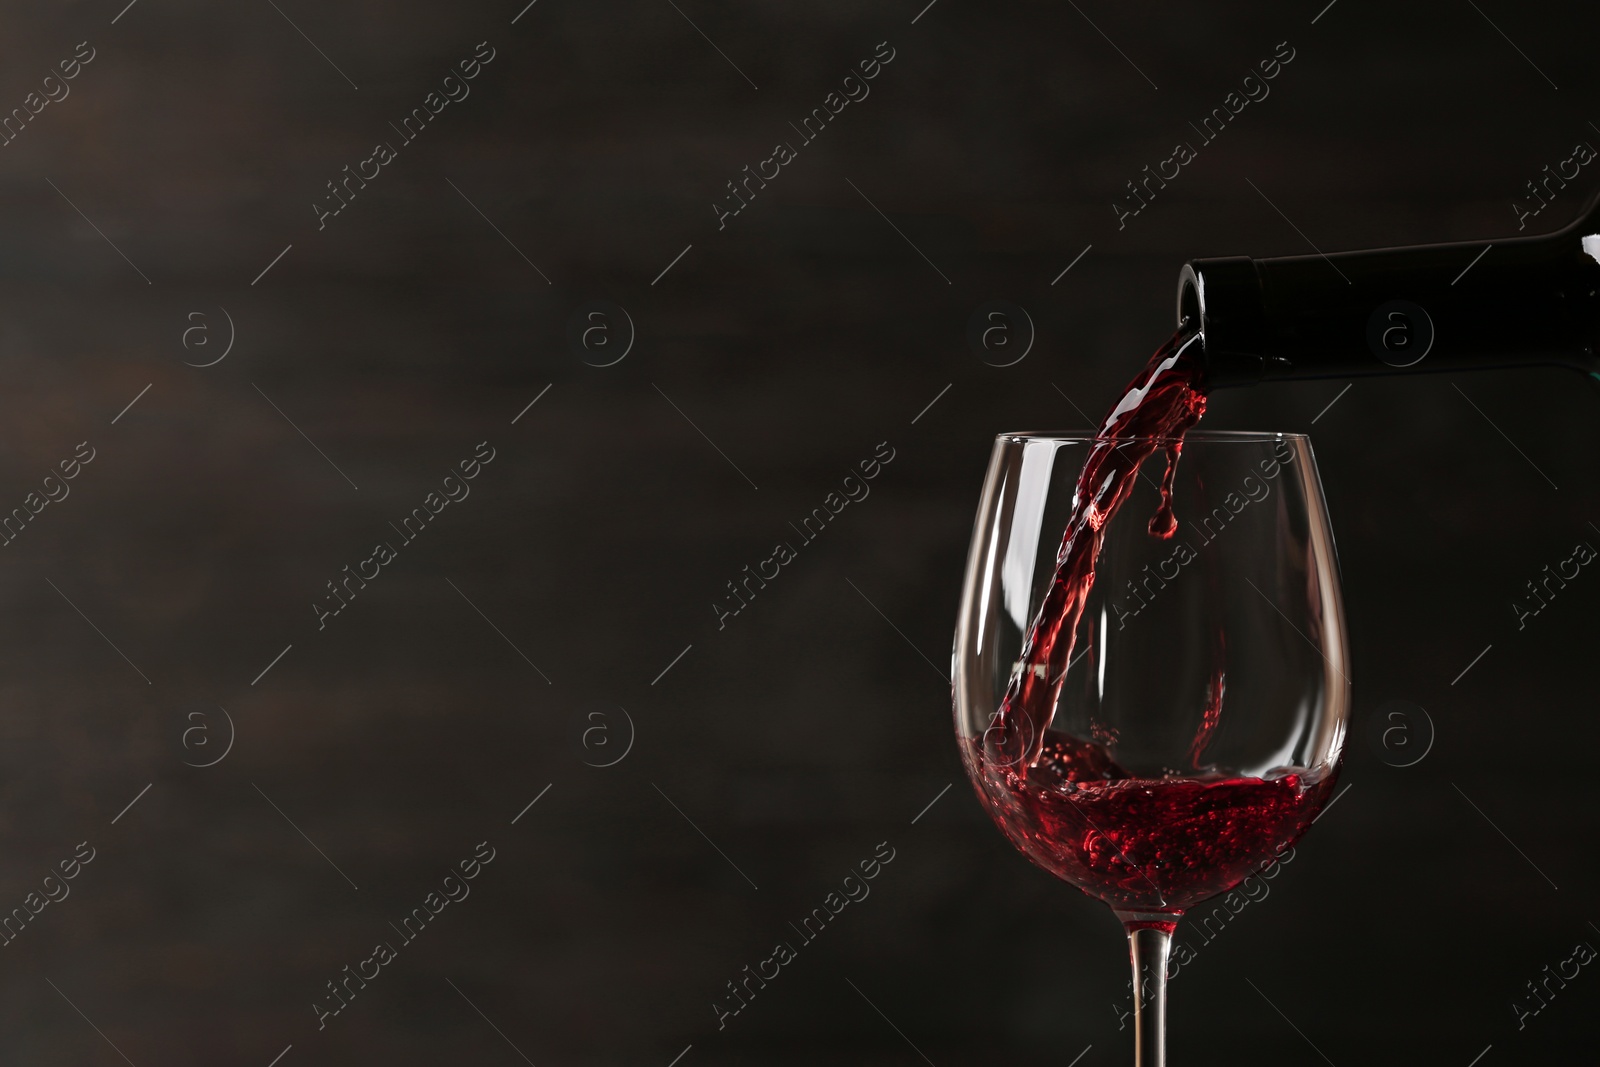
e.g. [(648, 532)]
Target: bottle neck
[(1513, 302)]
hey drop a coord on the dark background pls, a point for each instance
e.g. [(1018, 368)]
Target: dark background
[(807, 730)]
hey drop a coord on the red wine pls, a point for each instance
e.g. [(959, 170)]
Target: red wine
[(1159, 407), (1146, 845)]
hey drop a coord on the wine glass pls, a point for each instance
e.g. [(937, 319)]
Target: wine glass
[(1196, 731)]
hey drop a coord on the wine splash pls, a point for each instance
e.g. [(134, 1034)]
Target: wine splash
[(1146, 845)]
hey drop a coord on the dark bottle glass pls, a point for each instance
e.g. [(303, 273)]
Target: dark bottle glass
[(1447, 307)]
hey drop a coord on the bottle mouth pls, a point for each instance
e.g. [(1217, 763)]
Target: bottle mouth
[(1220, 301), (1191, 310)]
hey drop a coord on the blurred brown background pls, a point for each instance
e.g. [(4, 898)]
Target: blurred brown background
[(419, 722)]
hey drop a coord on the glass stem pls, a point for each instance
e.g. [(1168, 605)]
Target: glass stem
[(1149, 942)]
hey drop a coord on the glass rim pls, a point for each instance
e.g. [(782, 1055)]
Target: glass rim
[(1193, 436)]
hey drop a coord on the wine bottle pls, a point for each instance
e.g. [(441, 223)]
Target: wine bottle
[(1520, 301)]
